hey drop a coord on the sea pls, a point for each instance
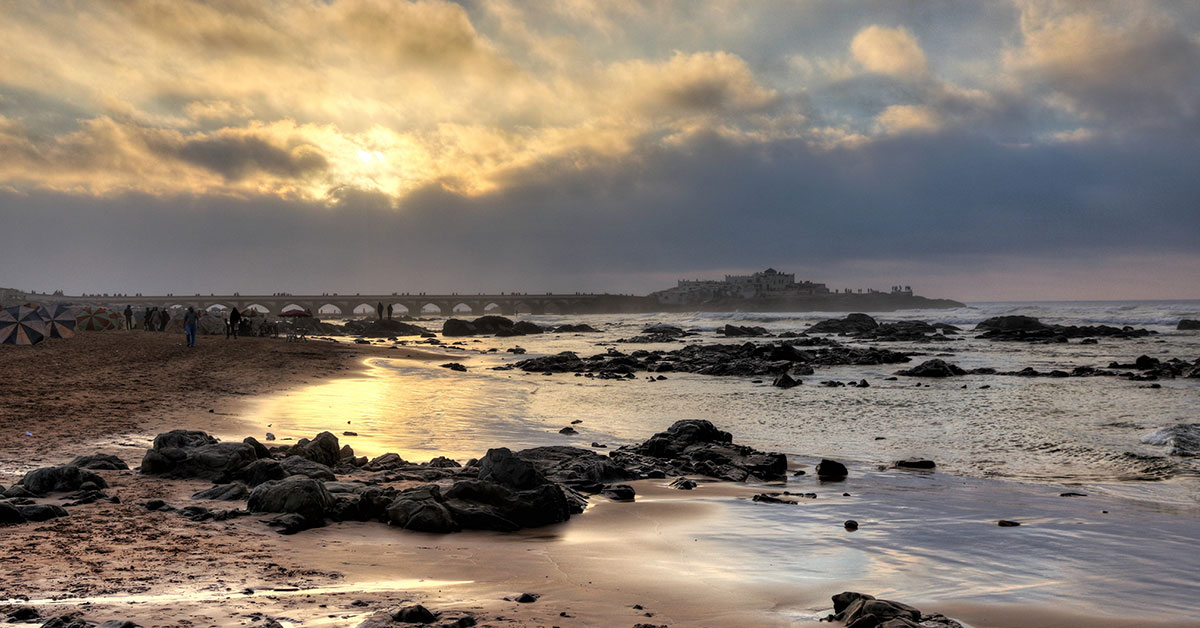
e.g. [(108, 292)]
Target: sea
[(1102, 473)]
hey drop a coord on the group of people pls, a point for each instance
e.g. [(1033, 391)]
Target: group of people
[(153, 319)]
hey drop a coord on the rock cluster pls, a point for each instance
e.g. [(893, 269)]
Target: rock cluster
[(859, 610), (696, 446), (1030, 329), (386, 328), (795, 357)]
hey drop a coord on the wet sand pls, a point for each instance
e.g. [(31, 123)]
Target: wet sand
[(118, 561)]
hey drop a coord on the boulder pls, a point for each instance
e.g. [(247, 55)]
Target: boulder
[(261, 471), (414, 614), (915, 463), (733, 331), (295, 465), (100, 462), (785, 381), (1011, 323), (831, 470), (297, 495), (193, 454), (697, 446), (10, 515), (501, 466), (42, 512), (59, 479), (852, 324), (322, 449), (482, 505), (1188, 324), (224, 492), (574, 466), (619, 492), (933, 368), (421, 509)]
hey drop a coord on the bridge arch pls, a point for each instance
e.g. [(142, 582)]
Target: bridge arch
[(429, 307), (258, 307), (217, 306), (521, 307), (399, 309), (491, 307), (365, 308), (552, 307), (329, 308), (462, 307)]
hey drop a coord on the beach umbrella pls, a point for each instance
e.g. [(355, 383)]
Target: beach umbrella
[(60, 320), (94, 319), (21, 325)]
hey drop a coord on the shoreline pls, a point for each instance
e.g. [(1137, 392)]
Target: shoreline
[(572, 564)]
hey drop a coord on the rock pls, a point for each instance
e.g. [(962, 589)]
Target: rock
[(295, 495), (295, 465), (831, 470), (853, 323), (683, 484), (385, 328), (580, 328), (421, 509), (442, 462), (1005, 523), (504, 468), (568, 430), (23, 614), (527, 598), (260, 450), (480, 505), (42, 512), (482, 325), (1011, 323), (785, 381), (157, 504), (224, 492), (454, 366), (850, 525), (17, 491), (697, 446), (193, 454), (261, 471), (59, 479), (732, 331), (575, 467), (1188, 324), (322, 449), (914, 463), (619, 492), (415, 614), (100, 462), (933, 368), (386, 462), (10, 515)]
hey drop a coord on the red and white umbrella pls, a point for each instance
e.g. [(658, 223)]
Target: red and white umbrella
[(60, 320), (21, 325), (94, 319)]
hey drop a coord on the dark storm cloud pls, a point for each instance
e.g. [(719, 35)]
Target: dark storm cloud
[(958, 199), (235, 157)]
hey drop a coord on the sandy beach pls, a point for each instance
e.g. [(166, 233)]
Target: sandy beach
[(618, 564)]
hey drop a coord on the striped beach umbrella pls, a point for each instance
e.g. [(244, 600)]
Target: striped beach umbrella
[(94, 319), (21, 325), (60, 320)]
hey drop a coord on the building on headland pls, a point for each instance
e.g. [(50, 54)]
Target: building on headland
[(769, 284)]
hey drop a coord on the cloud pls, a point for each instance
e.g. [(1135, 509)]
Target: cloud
[(892, 51), (908, 118)]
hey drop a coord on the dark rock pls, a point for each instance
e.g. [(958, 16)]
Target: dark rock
[(683, 484), (59, 479), (386, 462), (295, 465), (261, 471), (291, 523), (42, 512), (574, 466), (224, 492), (619, 492), (322, 449), (454, 366), (17, 491), (1188, 324), (850, 525), (915, 463), (442, 462), (193, 454), (10, 515), (415, 614), (382, 328), (421, 509), (568, 430), (157, 504), (502, 467), (23, 614), (732, 331), (528, 598), (697, 446), (580, 328), (831, 470), (1011, 323), (1005, 523), (260, 450), (100, 462), (853, 323), (294, 495), (933, 368), (785, 381)]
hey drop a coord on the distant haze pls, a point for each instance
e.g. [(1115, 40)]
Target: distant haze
[(1022, 150)]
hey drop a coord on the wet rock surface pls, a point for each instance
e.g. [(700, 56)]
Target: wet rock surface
[(859, 610), (1030, 329)]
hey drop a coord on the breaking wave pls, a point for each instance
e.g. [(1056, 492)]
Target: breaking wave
[(1180, 440)]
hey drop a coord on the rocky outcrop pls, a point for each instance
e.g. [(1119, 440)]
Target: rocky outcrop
[(733, 331), (385, 328), (60, 479), (1030, 329), (484, 325), (322, 449), (195, 454), (696, 446), (858, 610), (852, 324), (1188, 324), (933, 368), (581, 469), (297, 495), (100, 462)]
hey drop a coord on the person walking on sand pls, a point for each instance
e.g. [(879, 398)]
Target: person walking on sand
[(235, 320), (190, 320), (128, 317), (164, 317), (389, 311), (379, 310), (150, 318)]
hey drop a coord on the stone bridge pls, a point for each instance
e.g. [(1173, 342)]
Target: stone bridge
[(402, 303)]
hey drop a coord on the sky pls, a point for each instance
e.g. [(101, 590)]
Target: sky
[(980, 151)]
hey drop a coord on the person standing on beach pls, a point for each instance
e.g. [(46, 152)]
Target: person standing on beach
[(128, 317), (379, 310), (190, 320), (164, 317), (149, 318), (389, 311), (235, 320)]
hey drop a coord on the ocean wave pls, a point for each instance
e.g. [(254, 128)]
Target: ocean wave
[(1180, 440)]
